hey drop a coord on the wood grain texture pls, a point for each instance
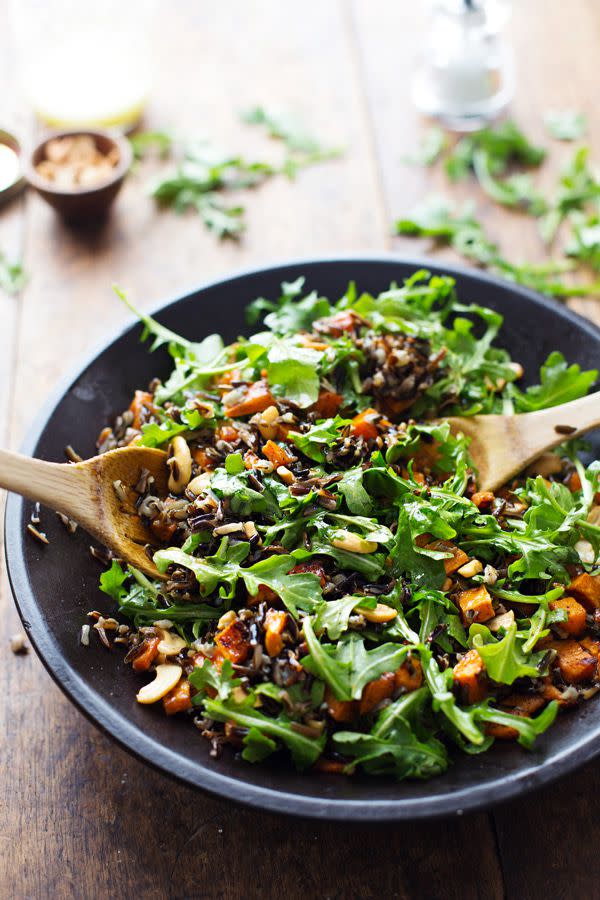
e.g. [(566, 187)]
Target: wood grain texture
[(79, 817)]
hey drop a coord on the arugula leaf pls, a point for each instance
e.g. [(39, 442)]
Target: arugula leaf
[(332, 615), (304, 750), (285, 128), (505, 660), (144, 141), (392, 747), (432, 145), (324, 434), (565, 125), (528, 729), (423, 570), (347, 666), (298, 591), (559, 383), (578, 185), (113, 580), (207, 675), (12, 276), (444, 701)]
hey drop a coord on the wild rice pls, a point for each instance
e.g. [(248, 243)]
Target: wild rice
[(38, 535)]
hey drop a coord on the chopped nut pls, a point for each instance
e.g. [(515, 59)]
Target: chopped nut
[(381, 613), (473, 567), (199, 484), (490, 575), (286, 476), (167, 676), (226, 619), (230, 528), (18, 643), (170, 644), (586, 552), (504, 620), (347, 540)]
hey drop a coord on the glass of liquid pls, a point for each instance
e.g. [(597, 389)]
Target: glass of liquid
[(82, 63)]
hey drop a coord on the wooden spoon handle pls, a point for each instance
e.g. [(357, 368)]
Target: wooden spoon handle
[(58, 485), (547, 428)]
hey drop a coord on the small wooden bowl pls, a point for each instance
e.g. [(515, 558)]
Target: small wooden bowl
[(81, 204)]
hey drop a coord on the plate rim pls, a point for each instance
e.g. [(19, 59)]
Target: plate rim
[(97, 708)]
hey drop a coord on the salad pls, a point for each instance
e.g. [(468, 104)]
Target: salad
[(335, 588)]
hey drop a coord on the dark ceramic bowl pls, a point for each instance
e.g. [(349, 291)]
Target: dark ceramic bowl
[(81, 205), (55, 586)]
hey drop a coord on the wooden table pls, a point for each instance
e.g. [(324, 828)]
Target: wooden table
[(79, 817)]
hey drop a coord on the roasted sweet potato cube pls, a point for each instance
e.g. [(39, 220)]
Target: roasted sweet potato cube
[(328, 404), (482, 499), (233, 642), (454, 562), (574, 661), (313, 567), (575, 623), (475, 605), (340, 710), (142, 407), (469, 676), (276, 454), (375, 691), (586, 588), (146, 654), (549, 692), (178, 699), (275, 622), (257, 399), (409, 676), (363, 425)]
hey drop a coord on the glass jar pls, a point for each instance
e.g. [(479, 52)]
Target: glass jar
[(84, 64), (465, 75)]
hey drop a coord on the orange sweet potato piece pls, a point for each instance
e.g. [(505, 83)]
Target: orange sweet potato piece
[(482, 499), (202, 459), (575, 623), (276, 454), (363, 425), (227, 433), (336, 324), (549, 692), (328, 404), (178, 698), (264, 594), (574, 661), (475, 605), (586, 589), (275, 622), (233, 642), (454, 562), (409, 676), (376, 691), (340, 710), (146, 654), (257, 399), (164, 531), (574, 482), (142, 406), (469, 675), (330, 766)]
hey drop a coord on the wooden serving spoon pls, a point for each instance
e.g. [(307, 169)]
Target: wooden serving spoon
[(502, 446), (85, 492)]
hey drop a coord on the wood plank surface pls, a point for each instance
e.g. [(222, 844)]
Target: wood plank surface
[(79, 817)]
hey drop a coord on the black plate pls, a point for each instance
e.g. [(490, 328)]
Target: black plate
[(55, 586)]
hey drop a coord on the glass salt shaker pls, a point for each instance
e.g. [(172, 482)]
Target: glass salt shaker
[(466, 73)]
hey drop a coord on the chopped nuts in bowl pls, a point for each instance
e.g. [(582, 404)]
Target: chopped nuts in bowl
[(79, 173)]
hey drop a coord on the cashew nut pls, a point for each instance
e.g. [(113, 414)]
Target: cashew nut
[(170, 644), (381, 613), (180, 464), (167, 676), (347, 540), (473, 567), (199, 484)]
